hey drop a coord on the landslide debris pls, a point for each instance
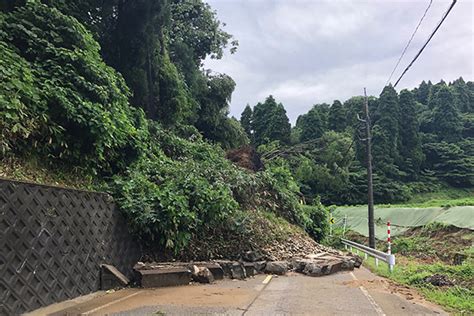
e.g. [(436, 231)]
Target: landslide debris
[(157, 274)]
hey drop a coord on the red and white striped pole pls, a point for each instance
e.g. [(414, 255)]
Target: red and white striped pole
[(389, 250)]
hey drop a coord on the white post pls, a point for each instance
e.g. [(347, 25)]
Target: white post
[(377, 262), (391, 262)]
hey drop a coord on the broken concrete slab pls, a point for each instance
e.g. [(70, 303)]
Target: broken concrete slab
[(276, 267), (111, 278), (161, 277)]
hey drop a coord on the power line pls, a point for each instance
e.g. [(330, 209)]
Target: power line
[(427, 41), (409, 42)]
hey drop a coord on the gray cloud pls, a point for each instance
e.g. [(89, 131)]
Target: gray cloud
[(313, 51)]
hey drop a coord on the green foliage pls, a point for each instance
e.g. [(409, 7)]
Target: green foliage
[(195, 24), (212, 118), (446, 119), (337, 117), (167, 200), (316, 220), (19, 101), (270, 123), (159, 46), (246, 120), (313, 124), (386, 137), (462, 95), (410, 143), (80, 104), (451, 163), (423, 92), (60, 103), (409, 245)]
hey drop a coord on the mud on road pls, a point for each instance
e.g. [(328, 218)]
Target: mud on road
[(347, 293)]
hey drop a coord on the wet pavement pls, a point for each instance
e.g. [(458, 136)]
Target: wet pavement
[(346, 293)]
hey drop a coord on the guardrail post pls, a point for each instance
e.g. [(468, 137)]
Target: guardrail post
[(377, 262), (391, 262)]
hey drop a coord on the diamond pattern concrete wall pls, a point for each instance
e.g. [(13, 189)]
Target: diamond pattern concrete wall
[(52, 242)]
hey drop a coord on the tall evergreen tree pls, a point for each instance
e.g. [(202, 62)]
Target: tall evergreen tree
[(337, 117), (462, 95), (246, 120), (410, 143), (446, 118), (269, 122), (423, 92), (386, 141), (312, 124), (433, 91)]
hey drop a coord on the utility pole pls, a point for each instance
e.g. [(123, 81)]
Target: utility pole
[(370, 188)]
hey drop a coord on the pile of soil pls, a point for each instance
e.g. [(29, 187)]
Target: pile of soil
[(245, 157), (297, 245), (275, 239), (445, 244)]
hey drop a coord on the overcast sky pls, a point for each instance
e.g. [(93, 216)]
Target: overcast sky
[(305, 52)]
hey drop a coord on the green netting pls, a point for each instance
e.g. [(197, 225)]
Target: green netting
[(402, 219)]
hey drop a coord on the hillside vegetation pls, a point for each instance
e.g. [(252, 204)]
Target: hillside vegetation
[(422, 144), (149, 129)]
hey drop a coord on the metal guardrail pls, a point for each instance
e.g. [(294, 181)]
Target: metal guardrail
[(377, 254)]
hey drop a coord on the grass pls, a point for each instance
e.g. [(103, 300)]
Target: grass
[(457, 299), (443, 197), (33, 169)]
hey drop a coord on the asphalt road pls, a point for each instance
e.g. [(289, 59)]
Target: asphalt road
[(346, 293)]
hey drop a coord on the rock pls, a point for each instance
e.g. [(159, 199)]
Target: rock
[(357, 260), (313, 269), (260, 266), (299, 264), (250, 269), (459, 258), (276, 267), (438, 280), (214, 267), (202, 275), (226, 267), (252, 256), (348, 264), (333, 267), (237, 271)]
